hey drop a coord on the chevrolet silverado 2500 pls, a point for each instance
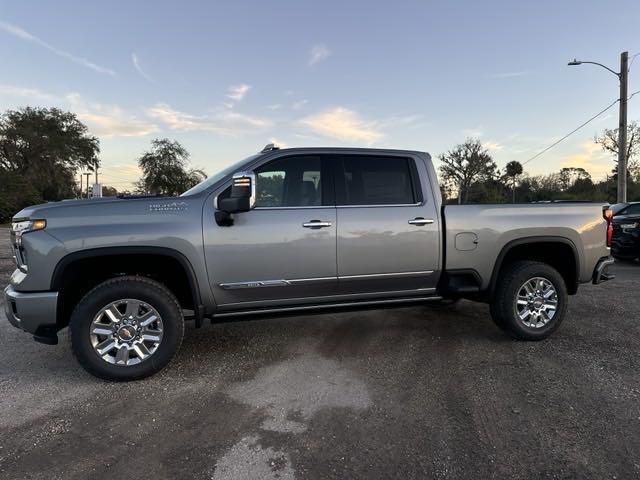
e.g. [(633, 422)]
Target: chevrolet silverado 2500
[(290, 230)]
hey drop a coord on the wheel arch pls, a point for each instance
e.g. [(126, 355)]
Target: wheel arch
[(568, 266), (97, 257)]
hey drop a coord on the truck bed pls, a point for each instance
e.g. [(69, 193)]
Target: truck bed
[(477, 235)]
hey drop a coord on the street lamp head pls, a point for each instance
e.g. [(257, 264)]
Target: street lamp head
[(575, 62)]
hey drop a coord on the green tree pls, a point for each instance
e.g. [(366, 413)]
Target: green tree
[(41, 149), (108, 191), (568, 176), (513, 170), (608, 140), (465, 165), (165, 169)]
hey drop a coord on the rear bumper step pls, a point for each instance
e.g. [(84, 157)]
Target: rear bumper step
[(601, 273)]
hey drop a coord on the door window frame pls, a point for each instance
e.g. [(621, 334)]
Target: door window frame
[(340, 184), (328, 193)]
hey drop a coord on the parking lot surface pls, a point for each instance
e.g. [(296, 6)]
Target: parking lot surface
[(421, 392)]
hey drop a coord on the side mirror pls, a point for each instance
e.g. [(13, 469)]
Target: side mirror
[(241, 199), (243, 194)]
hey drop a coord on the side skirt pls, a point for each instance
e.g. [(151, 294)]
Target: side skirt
[(324, 307)]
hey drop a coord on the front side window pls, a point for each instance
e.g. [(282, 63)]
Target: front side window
[(290, 182), (370, 180)]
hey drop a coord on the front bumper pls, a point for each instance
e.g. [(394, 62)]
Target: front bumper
[(601, 272), (33, 312)]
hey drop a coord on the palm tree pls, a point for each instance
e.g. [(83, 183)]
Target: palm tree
[(513, 170)]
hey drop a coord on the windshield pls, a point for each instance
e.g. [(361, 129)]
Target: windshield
[(213, 179), (617, 207)]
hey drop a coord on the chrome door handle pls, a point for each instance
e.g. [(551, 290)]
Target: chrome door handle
[(421, 221), (316, 224)]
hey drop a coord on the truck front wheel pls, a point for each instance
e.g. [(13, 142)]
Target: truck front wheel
[(530, 300), (126, 328)]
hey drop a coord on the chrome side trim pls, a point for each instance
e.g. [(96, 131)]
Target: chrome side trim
[(258, 284), (304, 281), (274, 283), (328, 305), (385, 275)]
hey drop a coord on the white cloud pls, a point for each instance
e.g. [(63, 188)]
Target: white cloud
[(225, 122), (24, 35), (12, 91), (318, 53), (102, 120), (343, 124), (136, 65), (238, 92), (108, 120), (492, 146), (112, 121), (275, 106)]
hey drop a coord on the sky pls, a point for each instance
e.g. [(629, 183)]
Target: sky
[(226, 78)]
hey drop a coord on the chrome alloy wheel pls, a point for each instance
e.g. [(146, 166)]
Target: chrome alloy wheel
[(536, 302), (126, 332)]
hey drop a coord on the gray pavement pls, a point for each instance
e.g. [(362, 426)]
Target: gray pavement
[(420, 392)]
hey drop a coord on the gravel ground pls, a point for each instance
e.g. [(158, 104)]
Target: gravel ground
[(420, 392)]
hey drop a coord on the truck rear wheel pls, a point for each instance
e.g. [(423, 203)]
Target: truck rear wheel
[(530, 301), (126, 328)]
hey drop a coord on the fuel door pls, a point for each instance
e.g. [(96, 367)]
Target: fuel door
[(466, 241)]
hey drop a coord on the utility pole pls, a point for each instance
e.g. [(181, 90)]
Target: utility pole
[(80, 196), (622, 129), (622, 124)]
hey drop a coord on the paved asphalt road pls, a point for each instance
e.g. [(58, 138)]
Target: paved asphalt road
[(419, 392)]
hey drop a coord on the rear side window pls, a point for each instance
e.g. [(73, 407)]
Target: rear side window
[(371, 180)]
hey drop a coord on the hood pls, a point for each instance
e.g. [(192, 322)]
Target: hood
[(45, 210)]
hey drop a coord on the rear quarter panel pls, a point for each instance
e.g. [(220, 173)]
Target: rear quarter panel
[(498, 225)]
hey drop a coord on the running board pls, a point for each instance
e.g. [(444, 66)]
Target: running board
[(319, 308)]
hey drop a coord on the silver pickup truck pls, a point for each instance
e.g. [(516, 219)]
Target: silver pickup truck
[(292, 230)]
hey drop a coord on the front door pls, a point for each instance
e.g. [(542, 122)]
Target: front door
[(283, 250)]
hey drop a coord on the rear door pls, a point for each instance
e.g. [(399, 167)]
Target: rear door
[(388, 238)]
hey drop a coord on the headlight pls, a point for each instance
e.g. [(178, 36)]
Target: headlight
[(24, 226), (28, 225)]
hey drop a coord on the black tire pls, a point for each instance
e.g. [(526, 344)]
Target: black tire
[(144, 289), (513, 278)]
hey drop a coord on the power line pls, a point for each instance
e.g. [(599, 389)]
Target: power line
[(572, 132), (632, 60)]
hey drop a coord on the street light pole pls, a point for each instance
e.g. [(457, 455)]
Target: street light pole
[(622, 123), (622, 130)]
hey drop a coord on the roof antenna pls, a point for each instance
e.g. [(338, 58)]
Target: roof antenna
[(269, 147)]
